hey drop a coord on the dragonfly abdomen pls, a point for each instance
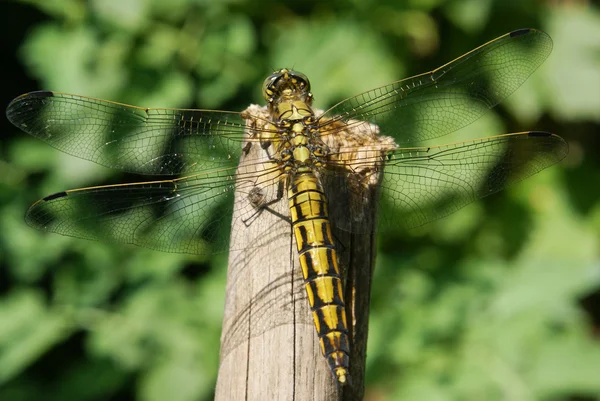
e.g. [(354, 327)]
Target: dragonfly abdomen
[(318, 260)]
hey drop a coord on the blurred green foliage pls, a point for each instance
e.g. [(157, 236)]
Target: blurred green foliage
[(499, 301)]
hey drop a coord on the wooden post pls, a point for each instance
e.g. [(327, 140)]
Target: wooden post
[(269, 345)]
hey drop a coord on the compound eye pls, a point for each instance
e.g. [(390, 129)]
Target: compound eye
[(268, 84), (301, 79)]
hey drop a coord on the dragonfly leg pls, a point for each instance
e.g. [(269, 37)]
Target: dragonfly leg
[(256, 196)]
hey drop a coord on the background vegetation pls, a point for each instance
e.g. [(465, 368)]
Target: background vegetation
[(499, 301)]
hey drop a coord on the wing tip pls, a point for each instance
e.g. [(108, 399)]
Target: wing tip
[(42, 94), (20, 104), (542, 134), (561, 147), (54, 196), (520, 32)]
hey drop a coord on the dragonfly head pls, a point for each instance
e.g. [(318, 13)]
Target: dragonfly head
[(287, 85)]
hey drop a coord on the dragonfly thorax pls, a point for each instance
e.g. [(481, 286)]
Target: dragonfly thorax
[(300, 147)]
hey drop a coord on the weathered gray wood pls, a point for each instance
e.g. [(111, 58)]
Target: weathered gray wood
[(269, 345)]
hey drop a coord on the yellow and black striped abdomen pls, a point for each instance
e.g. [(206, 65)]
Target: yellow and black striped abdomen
[(318, 260)]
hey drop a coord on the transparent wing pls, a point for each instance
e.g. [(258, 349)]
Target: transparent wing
[(439, 102), (186, 215), (129, 138), (193, 214), (424, 184)]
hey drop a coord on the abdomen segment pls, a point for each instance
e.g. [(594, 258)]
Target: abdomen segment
[(318, 260)]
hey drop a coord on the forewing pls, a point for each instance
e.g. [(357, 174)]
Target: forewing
[(444, 100), (129, 138)]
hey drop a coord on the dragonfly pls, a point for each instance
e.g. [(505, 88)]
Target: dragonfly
[(195, 152)]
